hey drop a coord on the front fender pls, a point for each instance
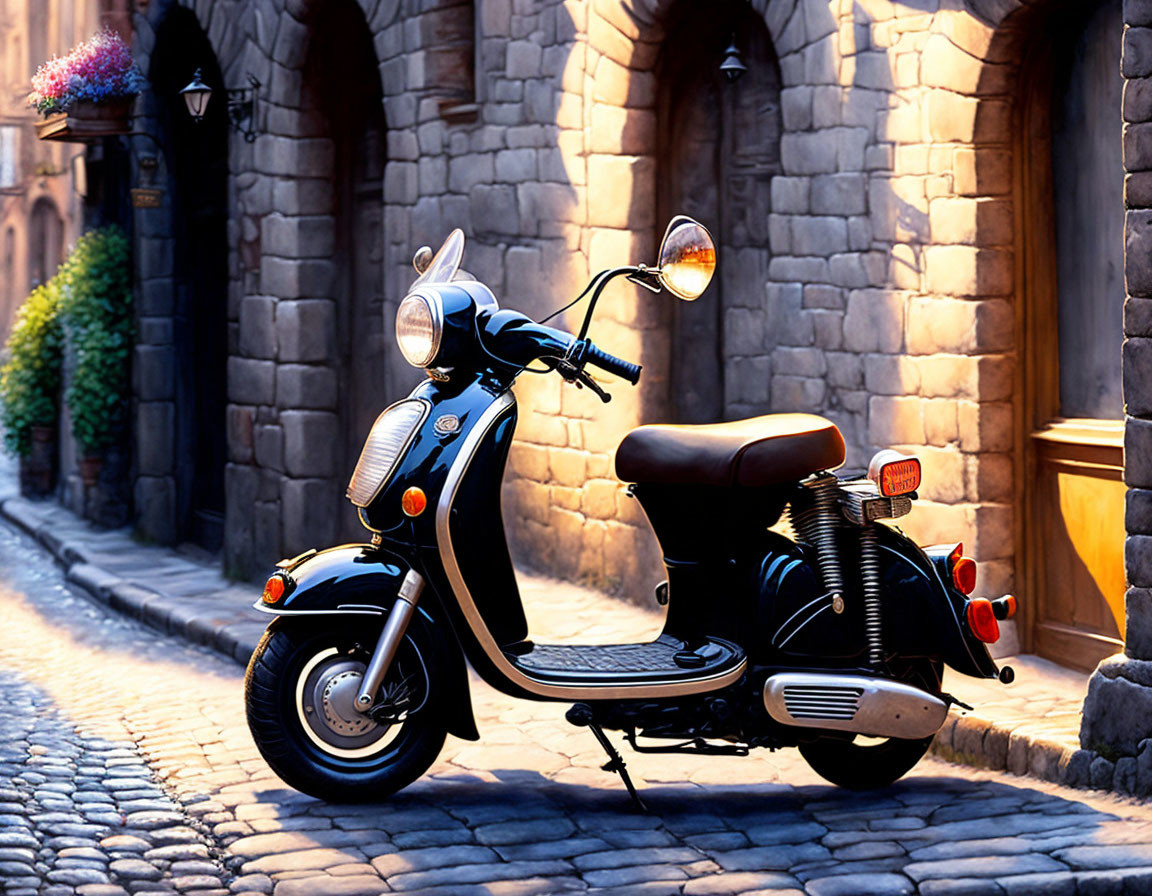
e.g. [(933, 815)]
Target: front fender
[(360, 579)]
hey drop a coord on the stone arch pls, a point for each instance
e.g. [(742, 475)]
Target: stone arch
[(45, 241)]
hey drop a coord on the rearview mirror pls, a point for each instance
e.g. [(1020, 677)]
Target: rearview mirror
[(687, 258)]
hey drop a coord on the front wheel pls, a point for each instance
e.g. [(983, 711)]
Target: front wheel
[(300, 692)]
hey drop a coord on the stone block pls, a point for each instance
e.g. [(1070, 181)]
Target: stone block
[(839, 194), (970, 221), (1138, 511), (1138, 252), (891, 375), (1116, 710), (819, 295), (305, 330), (943, 64), (874, 321), (898, 208), (1138, 452), (155, 373), (951, 116), (1144, 769), (1138, 629), (251, 381), (819, 235), (311, 442), (154, 499), (295, 278), (798, 393), (516, 165), (968, 271), (239, 421), (982, 172), (1136, 61), (796, 107), (985, 426), (1138, 190), (941, 421), (959, 326), (309, 514), (523, 60), (268, 444), (621, 191), (466, 171), (621, 131), (808, 152), (1138, 100), (989, 477), (258, 327), (986, 378), (1138, 146), (155, 437), (154, 331), (1101, 773), (494, 209), (895, 421), (1138, 560), (305, 386), (1137, 355), (791, 194)]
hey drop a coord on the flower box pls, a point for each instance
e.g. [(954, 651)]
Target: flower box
[(88, 121)]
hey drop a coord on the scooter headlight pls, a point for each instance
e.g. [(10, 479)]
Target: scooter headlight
[(420, 327)]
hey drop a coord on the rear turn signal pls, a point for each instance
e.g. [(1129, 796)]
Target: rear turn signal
[(894, 473), (273, 590), (964, 574), (982, 620)]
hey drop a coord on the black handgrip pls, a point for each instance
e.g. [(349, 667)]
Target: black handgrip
[(612, 364)]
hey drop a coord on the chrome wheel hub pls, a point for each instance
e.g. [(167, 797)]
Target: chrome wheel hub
[(326, 703)]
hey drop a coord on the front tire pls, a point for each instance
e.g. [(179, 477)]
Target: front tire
[(299, 694)]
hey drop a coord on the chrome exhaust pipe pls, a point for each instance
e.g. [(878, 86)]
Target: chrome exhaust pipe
[(875, 707)]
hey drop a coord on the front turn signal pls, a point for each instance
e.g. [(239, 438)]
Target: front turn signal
[(413, 501), (982, 620)]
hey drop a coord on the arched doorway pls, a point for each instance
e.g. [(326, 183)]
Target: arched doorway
[(343, 98), (1073, 241), (196, 157), (719, 149), (45, 241)]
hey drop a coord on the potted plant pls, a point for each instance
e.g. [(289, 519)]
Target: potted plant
[(96, 312), (88, 92), (29, 385)]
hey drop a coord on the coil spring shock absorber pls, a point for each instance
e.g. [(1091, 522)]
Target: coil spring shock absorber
[(870, 579), (815, 522)]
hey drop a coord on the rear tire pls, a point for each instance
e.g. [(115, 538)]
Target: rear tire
[(299, 689), (870, 766)]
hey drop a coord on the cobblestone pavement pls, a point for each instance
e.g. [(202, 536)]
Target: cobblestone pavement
[(126, 767)]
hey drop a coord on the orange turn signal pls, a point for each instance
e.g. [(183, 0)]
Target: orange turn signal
[(273, 590), (982, 620), (964, 574), (414, 501)]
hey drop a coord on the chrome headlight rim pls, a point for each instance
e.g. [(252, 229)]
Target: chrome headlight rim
[(435, 306), (401, 452)]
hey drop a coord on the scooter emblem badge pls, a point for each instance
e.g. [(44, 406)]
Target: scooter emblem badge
[(446, 425)]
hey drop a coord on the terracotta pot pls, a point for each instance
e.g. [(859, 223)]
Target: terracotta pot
[(90, 465)]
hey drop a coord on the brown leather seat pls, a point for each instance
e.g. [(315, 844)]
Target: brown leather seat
[(757, 451)]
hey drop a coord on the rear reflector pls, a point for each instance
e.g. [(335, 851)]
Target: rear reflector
[(982, 620), (894, 473)]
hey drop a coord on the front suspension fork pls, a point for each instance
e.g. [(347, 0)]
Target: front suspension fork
[(389, 641)]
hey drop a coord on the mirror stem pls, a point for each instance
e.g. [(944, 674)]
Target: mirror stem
[(603, 278)]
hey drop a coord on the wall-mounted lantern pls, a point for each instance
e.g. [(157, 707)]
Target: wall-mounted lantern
[(241, 103), (733, 67)]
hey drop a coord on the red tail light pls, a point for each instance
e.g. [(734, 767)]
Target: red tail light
[(982, 620), (894, 473), (964, 574)]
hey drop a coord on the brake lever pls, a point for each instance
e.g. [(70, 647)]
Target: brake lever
[(580, 379)]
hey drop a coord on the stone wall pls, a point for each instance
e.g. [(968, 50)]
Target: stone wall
[(888, 302)]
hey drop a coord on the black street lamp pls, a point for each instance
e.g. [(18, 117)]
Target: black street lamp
[(733, 67), (241, 103), (196, 96)]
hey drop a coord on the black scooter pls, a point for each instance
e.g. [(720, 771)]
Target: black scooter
[(832, 641)]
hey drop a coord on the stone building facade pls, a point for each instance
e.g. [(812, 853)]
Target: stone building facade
[(40, 209), (882, 194)]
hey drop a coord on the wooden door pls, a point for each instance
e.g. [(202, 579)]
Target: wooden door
[(1074, 505)]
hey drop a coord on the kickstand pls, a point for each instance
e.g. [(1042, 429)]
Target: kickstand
[(616, 764)]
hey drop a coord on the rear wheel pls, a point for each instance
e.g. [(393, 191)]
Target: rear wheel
[(868, 763), (300, 693)]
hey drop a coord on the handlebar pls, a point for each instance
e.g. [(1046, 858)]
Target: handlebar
[(610, 363)]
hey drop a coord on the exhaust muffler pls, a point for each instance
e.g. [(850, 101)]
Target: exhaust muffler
[(876, 707)]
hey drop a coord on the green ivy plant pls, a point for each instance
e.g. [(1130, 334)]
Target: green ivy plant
[(96, 311), (30, 381)]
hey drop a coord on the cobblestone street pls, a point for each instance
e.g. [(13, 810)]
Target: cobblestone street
[(126, 767)]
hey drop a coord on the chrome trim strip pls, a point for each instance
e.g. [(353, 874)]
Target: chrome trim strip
[(342, 610), (491, 649)]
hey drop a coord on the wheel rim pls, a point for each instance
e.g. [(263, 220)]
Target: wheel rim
[(326, 691)]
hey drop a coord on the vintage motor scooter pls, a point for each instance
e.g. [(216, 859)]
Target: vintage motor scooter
[(832, 641)]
